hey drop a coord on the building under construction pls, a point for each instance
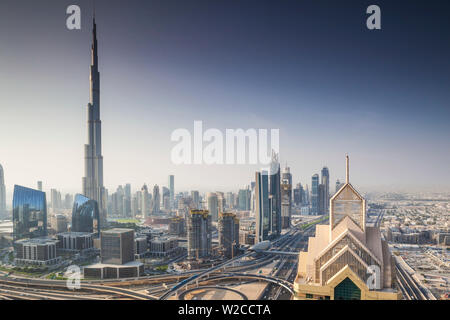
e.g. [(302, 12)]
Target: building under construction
[(199, 234), (228, 226)]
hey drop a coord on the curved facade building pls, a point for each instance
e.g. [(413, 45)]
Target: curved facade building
[(85, 215), (29, 213)]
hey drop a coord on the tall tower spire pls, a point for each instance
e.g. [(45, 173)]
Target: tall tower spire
[(347, 173), (93, 166)]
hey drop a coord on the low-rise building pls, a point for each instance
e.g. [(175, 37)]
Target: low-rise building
[(140, 247), (247, 237), (75, 241), (177, 226), (130, 269), (36, 251), (163, 246), (443, 239)]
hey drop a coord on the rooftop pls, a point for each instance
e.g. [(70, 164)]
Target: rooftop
[(74, 234), (104, 265), (38, 241), (118, 230)]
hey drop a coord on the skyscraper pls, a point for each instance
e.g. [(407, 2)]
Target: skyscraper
[(39, 185), (286, 199), (315, 194), (29, 213), (199, 234), (172, 190), (93, 164), (165, 199), (306, 199), (213, 205), (275, 195), (195, 199), (230, 200), (145, 209), (252, 197), (134, 206), (228, 226), (336, 265), (2, 193), (117, 202), (287, 175), (321, 202), (127, 190), (68, 201), (127, 200), (85, 215), (220, 203), (299, 195), (262, 213), (55, 199), (244, 197), (325, 180), (156, 200)]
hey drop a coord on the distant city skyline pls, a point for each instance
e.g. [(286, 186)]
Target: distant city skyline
[(331, 88)]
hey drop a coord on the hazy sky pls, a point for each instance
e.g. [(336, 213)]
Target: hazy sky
[(309, 68)]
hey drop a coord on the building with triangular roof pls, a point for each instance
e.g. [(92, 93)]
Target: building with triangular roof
[(346, 260)]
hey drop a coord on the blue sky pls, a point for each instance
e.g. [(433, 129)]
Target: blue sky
[(309, 68)]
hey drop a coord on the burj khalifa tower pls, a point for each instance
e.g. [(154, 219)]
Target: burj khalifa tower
[(93, 160)]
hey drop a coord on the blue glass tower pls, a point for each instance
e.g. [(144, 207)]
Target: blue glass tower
[(85, 215), (29, 213)]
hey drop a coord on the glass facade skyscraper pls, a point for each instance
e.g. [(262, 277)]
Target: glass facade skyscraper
[(85, 215), (262, 212), (199, 234), (315, 194), (29, 213), (326, 192), (172, 190), (286, 199), (213, 205), (275, 196)]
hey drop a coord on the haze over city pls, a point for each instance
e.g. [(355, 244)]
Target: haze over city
[(330, 86), (232, 151)]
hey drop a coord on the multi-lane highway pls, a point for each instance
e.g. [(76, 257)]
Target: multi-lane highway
[(287, 266)]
